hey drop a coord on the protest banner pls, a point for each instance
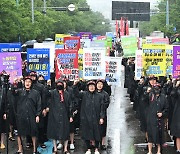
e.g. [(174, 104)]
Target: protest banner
[(154, 60), (109, 42), (101, 38), (129, 45), (66, 64), (10, 62), (10, 47), (155, 40), (138, 64), (72, 43), (176, 61), (98, 44), (169, 60), (85, 43), (51, 47), (113, 70), (59, 40), (85, 35), (94, 63), (38, 61), (80, 63), (110, 34)]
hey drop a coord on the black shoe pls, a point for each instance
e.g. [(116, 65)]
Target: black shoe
[(19, 152), (66, 152), (43, 146), (11, 139), (103, 147), (29, 145)]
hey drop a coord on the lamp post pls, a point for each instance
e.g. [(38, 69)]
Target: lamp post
[(167, 13), (44, 10), (32, 10), (17, 2)]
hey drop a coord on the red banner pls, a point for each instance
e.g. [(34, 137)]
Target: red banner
[(66, 64), (72, 43)]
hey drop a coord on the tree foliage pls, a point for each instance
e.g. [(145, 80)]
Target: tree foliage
[(16, 20), (158, 21)]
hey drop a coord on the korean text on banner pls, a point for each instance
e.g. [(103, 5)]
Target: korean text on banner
[(176, 61), (67, 64), (11, 63), (113, 70), (59, 40), (38, 60), (10, 47), (154, 60), (85, 43), (72, 43), (138, 64), (51, 47), (85, 35), (129, 45), (169, 60), (94, 63)]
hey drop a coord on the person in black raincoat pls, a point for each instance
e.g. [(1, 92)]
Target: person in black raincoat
[(60, 115), (3, 114), (28, 111), (43, 119), (175, 124), (92, 115), (75, 107), (106, 100), (157, 111)]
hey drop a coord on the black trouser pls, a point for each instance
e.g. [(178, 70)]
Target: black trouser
[(89, 145), (42, 130), (29, 139)]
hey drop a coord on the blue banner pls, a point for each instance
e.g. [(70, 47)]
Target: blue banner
[(10, 47), (38, 61)]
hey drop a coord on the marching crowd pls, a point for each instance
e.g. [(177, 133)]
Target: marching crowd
[(39, 111), (156, 102)]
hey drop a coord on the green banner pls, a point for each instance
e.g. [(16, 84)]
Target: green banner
[(129, 45)]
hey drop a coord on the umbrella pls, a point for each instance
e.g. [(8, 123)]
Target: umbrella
[(29, 43), (48, 39)]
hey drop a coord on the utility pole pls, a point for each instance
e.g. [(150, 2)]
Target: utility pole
[(44, 10), (167, 13), (32, 9), (17, 2)]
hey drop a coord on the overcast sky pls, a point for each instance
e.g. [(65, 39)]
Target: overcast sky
[(105, 6)]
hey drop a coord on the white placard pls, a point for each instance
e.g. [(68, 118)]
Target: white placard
[(94, 64), (51, 47), (113, 70)]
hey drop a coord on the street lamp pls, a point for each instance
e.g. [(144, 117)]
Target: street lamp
[(167, 13), (32, 9)]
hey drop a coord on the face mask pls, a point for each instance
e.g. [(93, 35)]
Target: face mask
[(34, 81), (19, 85), (60, 87), (42, 81)]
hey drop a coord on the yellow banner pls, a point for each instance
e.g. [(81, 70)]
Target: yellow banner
[(169, 60), (154, 60), (59, 38), (80, 62)]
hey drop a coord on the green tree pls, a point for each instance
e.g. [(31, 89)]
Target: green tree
[(16, 23), (158, 21)]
